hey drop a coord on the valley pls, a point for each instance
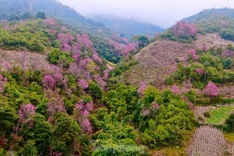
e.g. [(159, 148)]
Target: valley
[(71, 86)]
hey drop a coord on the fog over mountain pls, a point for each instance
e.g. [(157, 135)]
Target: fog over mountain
[(161, 12)]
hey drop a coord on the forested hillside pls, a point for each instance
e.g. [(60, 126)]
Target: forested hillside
[(74, 90)]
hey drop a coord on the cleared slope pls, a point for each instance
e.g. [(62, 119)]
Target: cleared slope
[(159, 59)]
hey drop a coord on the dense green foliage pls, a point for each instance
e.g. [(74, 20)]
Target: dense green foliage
[(56, 56), (230, 123), (213, 65), (125, 124)]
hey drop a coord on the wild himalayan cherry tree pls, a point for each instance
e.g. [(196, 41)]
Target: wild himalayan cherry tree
[(83, 84), (175, 89), (50, 21), (181, 29), (49, 82), (193, 54), (84, 40), (142, 88), (25, 113), (199, 71), (130, 47), (3, 82), (83, 113), (211, 89), (55, 103), (65, 40)]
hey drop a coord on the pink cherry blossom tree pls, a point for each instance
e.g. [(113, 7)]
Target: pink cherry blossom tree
[(25, 113), (199, 71), (49, 82), (193, 54), (3, 81), (142, 88), (83, 84), (175, 90), (181, 29), (211, 89), (65, 40), (83, 114)]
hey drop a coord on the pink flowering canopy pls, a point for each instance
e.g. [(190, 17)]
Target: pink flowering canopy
[(199, 71), (49, 81), (26, 111), (83, 84), (181, 28), (211, 89), (142, 88), (193, 54), (175, 89)]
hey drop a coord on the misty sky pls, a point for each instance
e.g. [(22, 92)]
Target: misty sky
[(160, 12)]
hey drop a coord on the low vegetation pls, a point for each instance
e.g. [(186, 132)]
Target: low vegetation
[(219, 114)]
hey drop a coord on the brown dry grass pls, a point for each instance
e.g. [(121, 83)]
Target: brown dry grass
[(23, 59), (207, 141)]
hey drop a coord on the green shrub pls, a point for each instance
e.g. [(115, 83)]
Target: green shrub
[(207, 114)]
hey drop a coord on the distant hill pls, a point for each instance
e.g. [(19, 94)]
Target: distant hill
[(215, 21), (128, 27), (207, 14), (16, 9)]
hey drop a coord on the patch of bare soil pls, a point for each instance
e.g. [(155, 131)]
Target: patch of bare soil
[(199, 111), (227, 91)]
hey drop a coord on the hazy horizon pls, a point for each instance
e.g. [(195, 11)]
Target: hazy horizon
[(163, 13)]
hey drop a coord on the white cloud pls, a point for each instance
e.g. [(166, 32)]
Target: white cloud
[(160, 12)]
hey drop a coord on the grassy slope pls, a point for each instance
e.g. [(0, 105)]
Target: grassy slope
[(220, 114)]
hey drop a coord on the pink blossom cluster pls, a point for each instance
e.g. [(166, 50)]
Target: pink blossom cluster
[(124, 40), (100, 81), (227, 53), (83, 84), (106, 73), (49, 82), (5, 24), (193, 54), (130, 47), (57, 154), (84, 40), (6, 66), (55, 103), (97, 58), (199, 71), (3, 81), (175, 90), (50, 21), (142, 88), (155, 106), (26, 111), (211, 89), (181, 28), (84, 111), (145, 112), (65, 40)]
